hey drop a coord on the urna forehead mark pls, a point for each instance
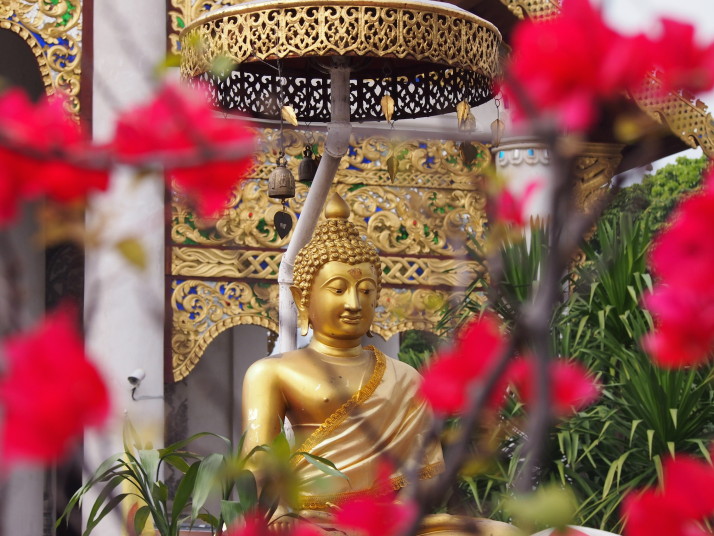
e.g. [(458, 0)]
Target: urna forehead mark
[(355, 272)]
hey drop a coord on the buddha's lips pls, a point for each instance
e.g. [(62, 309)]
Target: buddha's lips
[(351, 319)]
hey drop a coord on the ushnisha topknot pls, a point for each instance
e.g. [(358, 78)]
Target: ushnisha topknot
[(334, 239)]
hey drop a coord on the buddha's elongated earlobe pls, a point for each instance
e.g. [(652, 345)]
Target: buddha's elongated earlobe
[(303, 323), (303, 320)]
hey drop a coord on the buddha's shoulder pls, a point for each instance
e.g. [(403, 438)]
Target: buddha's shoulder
[(276, 364), (403, 370)]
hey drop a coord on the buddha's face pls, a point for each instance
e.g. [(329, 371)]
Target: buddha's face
[(342, 301)]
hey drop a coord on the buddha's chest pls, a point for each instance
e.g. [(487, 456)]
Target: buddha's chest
[(312, 395)]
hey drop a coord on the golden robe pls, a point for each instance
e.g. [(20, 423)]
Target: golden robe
[(386, 417)]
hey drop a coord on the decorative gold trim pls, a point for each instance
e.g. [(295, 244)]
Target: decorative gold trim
[(426, 32), (687, 118), (533, 9), (324, 502), (341, 413), (59, 25)]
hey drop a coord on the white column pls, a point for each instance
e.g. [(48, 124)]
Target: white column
[(521, 161), (124, 305)]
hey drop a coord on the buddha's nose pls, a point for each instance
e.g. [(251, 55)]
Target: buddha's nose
[(352, 300)]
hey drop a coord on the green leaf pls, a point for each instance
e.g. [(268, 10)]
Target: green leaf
[(323, 464), (160, 493), (140, 518), (634, 426), (247, 489), (673, 414), (92, 522), (208, 471), (149, 460), (280, 446), (650, 437), (231, 511), (183, 492)]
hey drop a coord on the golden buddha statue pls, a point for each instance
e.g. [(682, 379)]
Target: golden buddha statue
[(347, 403)]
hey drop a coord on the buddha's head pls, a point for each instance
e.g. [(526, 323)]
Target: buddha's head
[(337, 278)]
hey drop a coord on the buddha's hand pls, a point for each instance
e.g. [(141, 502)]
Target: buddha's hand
[(281, 520)]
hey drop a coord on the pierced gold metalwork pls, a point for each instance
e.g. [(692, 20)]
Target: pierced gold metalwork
[(688, 119), (533, 9), (59, 26), (436, 33)]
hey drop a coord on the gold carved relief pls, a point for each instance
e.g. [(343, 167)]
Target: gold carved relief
[(202, 309), (53, 30), (594, 169), (419, 223)]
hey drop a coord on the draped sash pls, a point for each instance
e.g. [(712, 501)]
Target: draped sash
[(384, 419)]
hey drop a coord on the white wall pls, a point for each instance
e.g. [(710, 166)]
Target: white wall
[(124, 306)]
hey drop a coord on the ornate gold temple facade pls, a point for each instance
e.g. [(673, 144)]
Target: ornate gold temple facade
[(226, 274)]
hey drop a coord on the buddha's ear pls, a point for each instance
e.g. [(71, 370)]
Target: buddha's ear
[(303, 320), (297, 295)]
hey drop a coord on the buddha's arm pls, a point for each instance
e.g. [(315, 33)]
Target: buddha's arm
[(263, 403)]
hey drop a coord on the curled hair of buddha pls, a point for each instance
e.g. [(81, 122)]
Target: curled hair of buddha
[(334, 239)]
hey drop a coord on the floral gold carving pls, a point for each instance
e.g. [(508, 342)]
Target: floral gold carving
[(53, 30), (201, 310)]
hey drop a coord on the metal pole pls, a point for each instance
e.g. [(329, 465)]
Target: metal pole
[(336, 144)]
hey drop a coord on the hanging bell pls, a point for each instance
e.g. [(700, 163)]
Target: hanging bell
[(498, 127), (281, 183), (308, 166)]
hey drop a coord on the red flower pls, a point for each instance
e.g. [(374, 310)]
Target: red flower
[(682, 302), (50, 392), (444, 384), (510, 208), (205, 154), (683, 253), (682, 63), (449, 376), (573, 388), (375, 516), (567, 65), (684, 332), (686, 498), (46, 154)]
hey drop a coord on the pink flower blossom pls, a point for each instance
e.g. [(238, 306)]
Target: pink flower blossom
[(377, 513), (50, 392), (511, 208), (568, 65), (681, 62), (572, 387), (685, 499), (45, 153), (206, 155), (452, 373)]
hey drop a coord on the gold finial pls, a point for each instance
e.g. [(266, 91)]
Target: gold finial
[(337, 208)]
